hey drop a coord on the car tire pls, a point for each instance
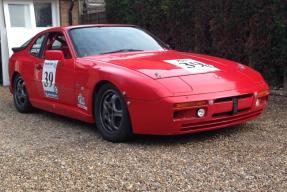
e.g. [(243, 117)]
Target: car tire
[(20, 95), (112, 116)]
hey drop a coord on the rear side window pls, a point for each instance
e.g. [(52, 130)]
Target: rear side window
[(56, 45), (36, 47), (57, 41)]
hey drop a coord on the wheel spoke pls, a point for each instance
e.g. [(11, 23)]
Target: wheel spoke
[(108, 127), (19, 89), (108, 104), (106, 116), (105, 108), (117, 113), (24, 91), (20, 97), (114, 100), (114, 125)]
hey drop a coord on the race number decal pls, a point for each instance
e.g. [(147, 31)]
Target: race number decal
[(193, 66), (49, 79)]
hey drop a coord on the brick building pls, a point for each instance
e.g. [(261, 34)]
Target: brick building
[(65, 5)]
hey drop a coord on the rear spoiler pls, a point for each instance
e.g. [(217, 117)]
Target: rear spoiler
[(22, 47), (17, 49)]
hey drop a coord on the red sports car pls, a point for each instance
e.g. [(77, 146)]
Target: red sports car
[(127, 81)]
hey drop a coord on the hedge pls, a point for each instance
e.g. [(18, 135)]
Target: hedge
[(253, 32)]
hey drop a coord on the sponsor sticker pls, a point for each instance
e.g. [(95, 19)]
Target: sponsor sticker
[(193, 66), (82, 102), (49, 78)]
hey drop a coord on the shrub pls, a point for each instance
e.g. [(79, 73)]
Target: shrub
[(252, 32)]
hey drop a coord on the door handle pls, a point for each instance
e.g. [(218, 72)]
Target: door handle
[(39, 67)]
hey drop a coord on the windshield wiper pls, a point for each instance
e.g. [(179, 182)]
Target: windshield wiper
[(121, 50)]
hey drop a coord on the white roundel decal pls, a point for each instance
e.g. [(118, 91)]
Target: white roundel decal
[(193, 66)]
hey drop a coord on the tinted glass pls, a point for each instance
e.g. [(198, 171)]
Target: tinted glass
[(43, 14), (57, 41), (36, 47), (100, 40)]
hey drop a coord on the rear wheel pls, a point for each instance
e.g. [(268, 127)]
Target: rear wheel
[(112, 116), (20, 95)]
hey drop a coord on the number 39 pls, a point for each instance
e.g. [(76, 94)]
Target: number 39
[(49, 78)]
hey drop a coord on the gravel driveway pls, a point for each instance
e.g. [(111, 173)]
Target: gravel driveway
[(45, 152)]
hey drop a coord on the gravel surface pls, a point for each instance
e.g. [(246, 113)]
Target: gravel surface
[(46, 152)]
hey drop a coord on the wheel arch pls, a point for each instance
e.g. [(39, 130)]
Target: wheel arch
[(96, 89), (15, 73)]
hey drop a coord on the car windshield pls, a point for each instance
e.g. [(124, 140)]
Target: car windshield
[(104, 40)]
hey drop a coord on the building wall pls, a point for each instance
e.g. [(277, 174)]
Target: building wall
[(64, 12)]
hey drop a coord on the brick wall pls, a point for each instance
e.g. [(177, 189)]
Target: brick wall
[(64, 12)]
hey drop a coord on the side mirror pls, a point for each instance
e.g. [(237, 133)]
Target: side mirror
[(54, 55)]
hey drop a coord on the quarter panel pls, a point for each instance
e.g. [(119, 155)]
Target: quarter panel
[(23, 64)]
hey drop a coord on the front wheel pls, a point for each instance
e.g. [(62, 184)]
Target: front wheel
[(112, 116), (20, 95)]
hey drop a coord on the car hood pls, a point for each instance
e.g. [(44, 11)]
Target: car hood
[(186, 72)]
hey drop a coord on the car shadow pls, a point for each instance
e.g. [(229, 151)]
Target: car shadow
[(149, 139), (187, 138)]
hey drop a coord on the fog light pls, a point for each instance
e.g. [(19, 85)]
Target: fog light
[(257, 102), (201, 113)]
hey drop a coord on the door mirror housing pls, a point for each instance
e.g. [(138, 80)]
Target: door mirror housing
[(54, 55)]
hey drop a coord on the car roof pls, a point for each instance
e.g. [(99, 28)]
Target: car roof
[(61, 28), (98, 25), (89, 25)]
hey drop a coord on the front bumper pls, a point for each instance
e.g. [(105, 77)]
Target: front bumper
[(158, 117)]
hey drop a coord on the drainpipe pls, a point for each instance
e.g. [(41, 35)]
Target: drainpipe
[(71, 12)]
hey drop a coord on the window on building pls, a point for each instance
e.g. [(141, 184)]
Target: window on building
[(19, 15), (43, 14)]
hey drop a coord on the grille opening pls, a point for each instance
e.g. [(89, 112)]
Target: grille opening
[(229, 113), (245, 96), (227, 99), (220, 122), (221, 100)]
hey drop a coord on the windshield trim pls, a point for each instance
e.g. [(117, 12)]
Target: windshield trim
[(163, 45)]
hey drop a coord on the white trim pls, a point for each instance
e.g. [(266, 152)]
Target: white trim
[(57, 14), (4, 47), (54, 6), (55, 11), (7, 14)]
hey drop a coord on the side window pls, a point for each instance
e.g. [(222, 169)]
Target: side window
[(56, 45), (36, 47), (57, 41)]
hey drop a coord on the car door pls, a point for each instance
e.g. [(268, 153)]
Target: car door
[(55, 78), (35, 55)]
